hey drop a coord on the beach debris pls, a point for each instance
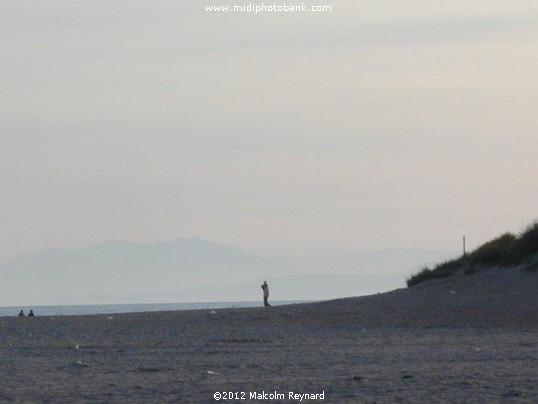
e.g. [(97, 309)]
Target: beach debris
[(212, 312), (77, 346), (452, 292), (82, 364), (407, 377), (357, 378), (148, 369), (110, 318), (478, 349), (212, 372)]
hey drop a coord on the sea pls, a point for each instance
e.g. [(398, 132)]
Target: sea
[(88, 309)]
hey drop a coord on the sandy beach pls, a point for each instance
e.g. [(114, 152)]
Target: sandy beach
[(375, 162), (462, 339)]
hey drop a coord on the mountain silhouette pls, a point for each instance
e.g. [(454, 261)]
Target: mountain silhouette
[(121, 268)]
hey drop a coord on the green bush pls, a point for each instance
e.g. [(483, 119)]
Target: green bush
[(447, 268), (525, 246), (504, 250), (494, 251), (420, 276)]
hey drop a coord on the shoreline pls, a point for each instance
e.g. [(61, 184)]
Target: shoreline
[(97, 309), (438, 346)]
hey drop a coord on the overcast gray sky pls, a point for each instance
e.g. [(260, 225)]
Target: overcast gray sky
[(380, 124)]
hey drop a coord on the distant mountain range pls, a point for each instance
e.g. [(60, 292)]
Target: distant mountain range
[(197, 270)]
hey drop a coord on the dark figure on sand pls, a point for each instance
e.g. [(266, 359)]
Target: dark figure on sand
[(265, 289), (31, 314), (21, 313)]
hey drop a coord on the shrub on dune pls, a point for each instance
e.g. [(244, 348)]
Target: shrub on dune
[(505, 250)]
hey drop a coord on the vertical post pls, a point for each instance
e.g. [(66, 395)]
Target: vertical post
[(465, 261)]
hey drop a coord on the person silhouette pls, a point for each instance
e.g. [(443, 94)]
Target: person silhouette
[(265, 289), (21, 313), (31, 314)]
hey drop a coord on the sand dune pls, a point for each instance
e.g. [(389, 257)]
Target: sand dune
[(463, 339)]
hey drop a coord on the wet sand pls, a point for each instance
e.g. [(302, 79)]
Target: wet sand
[(466, 339)]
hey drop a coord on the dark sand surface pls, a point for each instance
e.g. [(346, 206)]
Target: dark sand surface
[(463, 339)]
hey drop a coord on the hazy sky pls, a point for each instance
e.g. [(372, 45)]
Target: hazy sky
[(380, 124)]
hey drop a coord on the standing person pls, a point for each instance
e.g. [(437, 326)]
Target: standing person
[(265, 289)]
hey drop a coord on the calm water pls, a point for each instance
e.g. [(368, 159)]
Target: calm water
[(66, 310)]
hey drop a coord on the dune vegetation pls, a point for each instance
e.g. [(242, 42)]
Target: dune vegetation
[(507, 250)]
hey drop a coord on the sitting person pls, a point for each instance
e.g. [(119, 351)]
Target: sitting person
[(21, 313), (31, 314)]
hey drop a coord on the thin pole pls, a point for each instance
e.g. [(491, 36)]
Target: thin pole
[(464, 253)]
